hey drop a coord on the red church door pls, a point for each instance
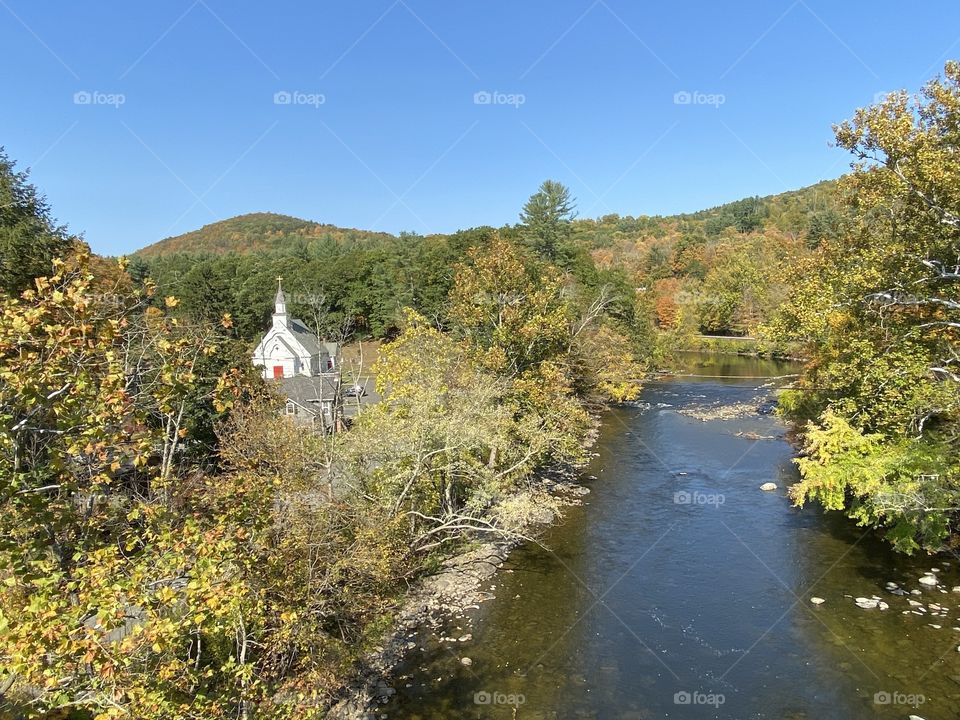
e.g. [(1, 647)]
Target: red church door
[(278, 371)]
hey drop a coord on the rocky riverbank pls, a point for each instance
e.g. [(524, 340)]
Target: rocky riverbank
[(449, 594)]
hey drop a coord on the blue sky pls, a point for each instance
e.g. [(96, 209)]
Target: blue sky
[(142, 120)]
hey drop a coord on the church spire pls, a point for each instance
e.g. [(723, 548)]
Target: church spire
[(280, 304), (281, 301)]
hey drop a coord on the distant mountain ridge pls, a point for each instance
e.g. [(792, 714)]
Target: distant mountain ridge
[(265, 232), (258, 232)]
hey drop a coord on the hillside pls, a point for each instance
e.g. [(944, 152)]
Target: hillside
[(721, 270), (259, 232), (806, 209)]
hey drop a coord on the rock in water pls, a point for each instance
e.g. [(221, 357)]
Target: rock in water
[(768, 486), (817, 600), (928, 580), (466, 661), (866, 603)]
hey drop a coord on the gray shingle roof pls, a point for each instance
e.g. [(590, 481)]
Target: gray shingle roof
[(304, 336), (307, 392)]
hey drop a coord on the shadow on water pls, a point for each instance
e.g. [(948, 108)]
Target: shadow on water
[(680, 590)]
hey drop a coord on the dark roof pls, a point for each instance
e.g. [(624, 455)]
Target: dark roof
[(305, 336), (307, 392)]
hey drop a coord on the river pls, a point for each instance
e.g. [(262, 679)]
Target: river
[(681, 590)]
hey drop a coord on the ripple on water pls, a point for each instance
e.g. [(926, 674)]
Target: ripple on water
[(642, 597)]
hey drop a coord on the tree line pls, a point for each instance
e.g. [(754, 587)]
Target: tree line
[(720, 271)]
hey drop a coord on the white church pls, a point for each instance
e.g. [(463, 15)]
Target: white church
[(304, 367)]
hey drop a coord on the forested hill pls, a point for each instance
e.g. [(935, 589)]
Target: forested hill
[(810, 209), (721, 270), (259, 232)]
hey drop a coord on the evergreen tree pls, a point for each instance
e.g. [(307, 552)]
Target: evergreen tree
[(29, 237), (547, 218)]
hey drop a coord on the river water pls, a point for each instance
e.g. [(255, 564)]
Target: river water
[(681, 590)]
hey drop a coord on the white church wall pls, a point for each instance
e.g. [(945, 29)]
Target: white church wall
[(280, 348)]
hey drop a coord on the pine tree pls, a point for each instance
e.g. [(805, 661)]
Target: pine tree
[(547, 217), (29, 237)]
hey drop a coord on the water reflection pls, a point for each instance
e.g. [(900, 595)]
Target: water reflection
[(681, 590)]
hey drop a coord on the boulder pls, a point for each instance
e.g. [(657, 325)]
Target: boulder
[(768, 487)]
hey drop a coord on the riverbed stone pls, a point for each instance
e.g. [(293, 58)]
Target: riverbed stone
[(928, 580), (768, 487), (866, 603), (817, 600), (466, 661)]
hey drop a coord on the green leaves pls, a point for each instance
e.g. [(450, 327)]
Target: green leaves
[(882, 308), (902, 485)]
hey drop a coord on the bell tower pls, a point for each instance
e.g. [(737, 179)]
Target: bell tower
[(280, 306)]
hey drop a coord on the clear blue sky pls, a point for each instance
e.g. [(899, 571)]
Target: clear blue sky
[(398, 141)]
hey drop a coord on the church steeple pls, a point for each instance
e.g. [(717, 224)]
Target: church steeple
[(280, 305)]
